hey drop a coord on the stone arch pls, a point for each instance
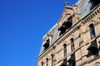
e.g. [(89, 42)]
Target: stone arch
[(42, 60), (69, 39), (72, 36), (64, 42), (47, 56), (87, 26), (52, 52)]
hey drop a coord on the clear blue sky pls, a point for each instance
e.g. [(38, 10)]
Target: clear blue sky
[(22, 23)]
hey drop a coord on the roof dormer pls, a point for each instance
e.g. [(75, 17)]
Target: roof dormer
[(47, 40), (66, 20), (46, 44)]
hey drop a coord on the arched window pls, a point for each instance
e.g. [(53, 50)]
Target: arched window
[(52, 60), (92, 31), (46, 61), (72, 45), (65, 50), (42, 64)]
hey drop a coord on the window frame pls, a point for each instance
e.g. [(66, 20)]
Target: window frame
[(46, 61), (92, 31), (65, 50), (42, 63), (72, 45), (52, 60)]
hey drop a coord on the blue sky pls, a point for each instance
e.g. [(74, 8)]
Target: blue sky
[(22, 23)]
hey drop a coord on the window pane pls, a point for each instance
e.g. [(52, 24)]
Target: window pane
[(52, 60), (42, 63), (47, 62), (65, 50), (72, 44), (92, 31)]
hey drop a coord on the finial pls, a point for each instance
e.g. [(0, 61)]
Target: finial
[(66, 3)]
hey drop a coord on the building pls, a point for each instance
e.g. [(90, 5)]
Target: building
[(75, 39)]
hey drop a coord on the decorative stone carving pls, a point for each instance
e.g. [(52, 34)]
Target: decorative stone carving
[(48, 34), (78, 18), (75, 8)]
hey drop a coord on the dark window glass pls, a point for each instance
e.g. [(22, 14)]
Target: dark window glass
[(72, 60), (47, 62), (65, 51), (46, 45), (66, 25), (92, 31), (94, 3), (92, 49), (52, 60), (72, 45), (48, 41)]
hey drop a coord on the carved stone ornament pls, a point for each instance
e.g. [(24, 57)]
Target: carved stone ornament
[(78, 18), (48, 34), (75, 8), (66, 3)]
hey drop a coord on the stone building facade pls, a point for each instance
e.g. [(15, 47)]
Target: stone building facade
[(75, 39)]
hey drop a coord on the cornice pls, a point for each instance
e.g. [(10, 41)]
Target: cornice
[(45, 53), (92, 15)]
